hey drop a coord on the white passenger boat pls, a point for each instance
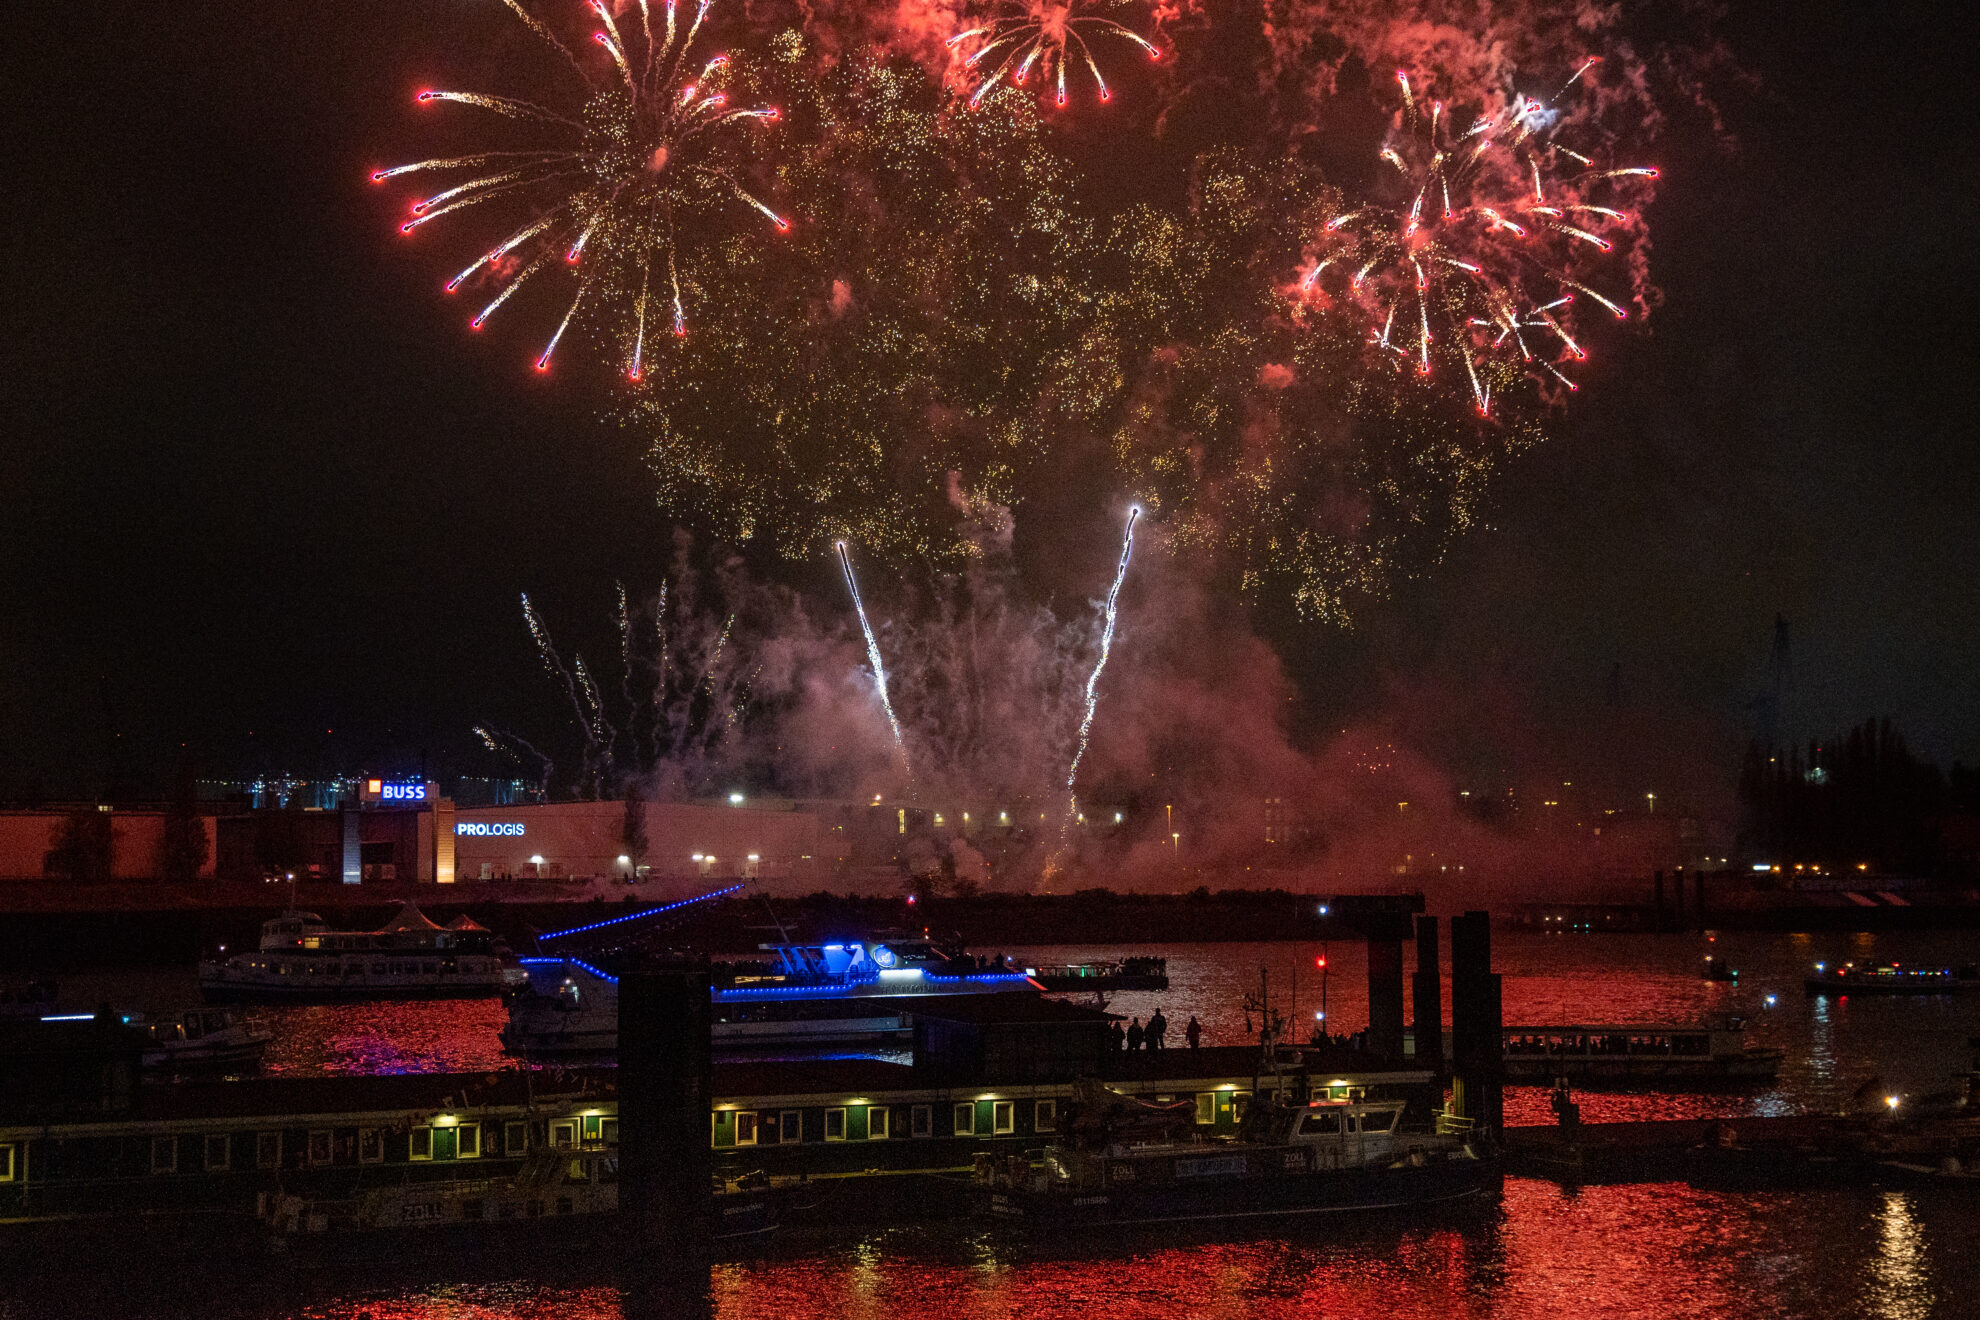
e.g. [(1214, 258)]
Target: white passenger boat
[(409, 957), (1663, 1054)]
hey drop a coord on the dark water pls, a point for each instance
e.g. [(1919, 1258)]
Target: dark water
[(1545, 1253), (1667, 1251)]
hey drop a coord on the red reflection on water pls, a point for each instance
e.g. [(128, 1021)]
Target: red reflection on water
[(411, 1036), (1667, 1251)]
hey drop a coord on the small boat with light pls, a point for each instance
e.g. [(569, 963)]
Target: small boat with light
[(201, 1040), (1849, 978)]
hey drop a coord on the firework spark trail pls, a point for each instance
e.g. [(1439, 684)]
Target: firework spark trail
[(873, 657), (1472, 244), (644, 157), (553, 662), (499, 740), (1099, 665), (1041, 34)]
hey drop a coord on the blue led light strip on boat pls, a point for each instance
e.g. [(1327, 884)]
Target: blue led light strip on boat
[(635, 916)]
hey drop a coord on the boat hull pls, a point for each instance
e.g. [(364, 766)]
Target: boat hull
[(1293, 1194), (1663, 1073)]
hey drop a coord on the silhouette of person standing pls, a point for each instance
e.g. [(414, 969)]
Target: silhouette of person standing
[(1135, 1035), (1193, 1033)]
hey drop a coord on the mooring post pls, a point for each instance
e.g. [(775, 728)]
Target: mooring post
[(666, 1082), (1385, 990), (1427, 998), (1477, 1025)]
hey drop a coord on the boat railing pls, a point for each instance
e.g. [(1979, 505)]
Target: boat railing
[(1454, 1125)]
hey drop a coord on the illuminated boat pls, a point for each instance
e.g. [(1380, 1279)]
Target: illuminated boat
[(1120, 1161), (1891, 979), (1664, 1055), (409, 957), (802, 999), (201, 1040), (1112, 974)]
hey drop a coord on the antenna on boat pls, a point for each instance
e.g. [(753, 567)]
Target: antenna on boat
[(783, 934)]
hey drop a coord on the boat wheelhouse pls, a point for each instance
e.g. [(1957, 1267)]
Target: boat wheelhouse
[(1660, 1053), (409, 957)]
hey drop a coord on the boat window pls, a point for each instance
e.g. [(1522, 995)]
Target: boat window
[(745, 1129), (216, 1152), (1206, 1107), (7, 1161), (877, 1122), (319, 1147), (470, 1139), (965, 1120), (1353, 1122), (608, 1132), (1379, 1122), (921, 1121), (1003, 1117), (835, 1125), (1046, 1119), (515, 1138), (1322, 1125), (371, 1146), (591, 1127), (164, 1154), (792, 1123), (1240, 1105), (268, 1150), (422, 1144), (563, 1135)]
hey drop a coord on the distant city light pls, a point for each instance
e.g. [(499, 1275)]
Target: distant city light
[(1323, 909), (735, 799), (536, 860)]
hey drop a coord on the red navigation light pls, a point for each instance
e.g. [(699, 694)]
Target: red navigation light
[(1320, 961)]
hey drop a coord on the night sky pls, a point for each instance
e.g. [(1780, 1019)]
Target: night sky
[(262, 495)]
